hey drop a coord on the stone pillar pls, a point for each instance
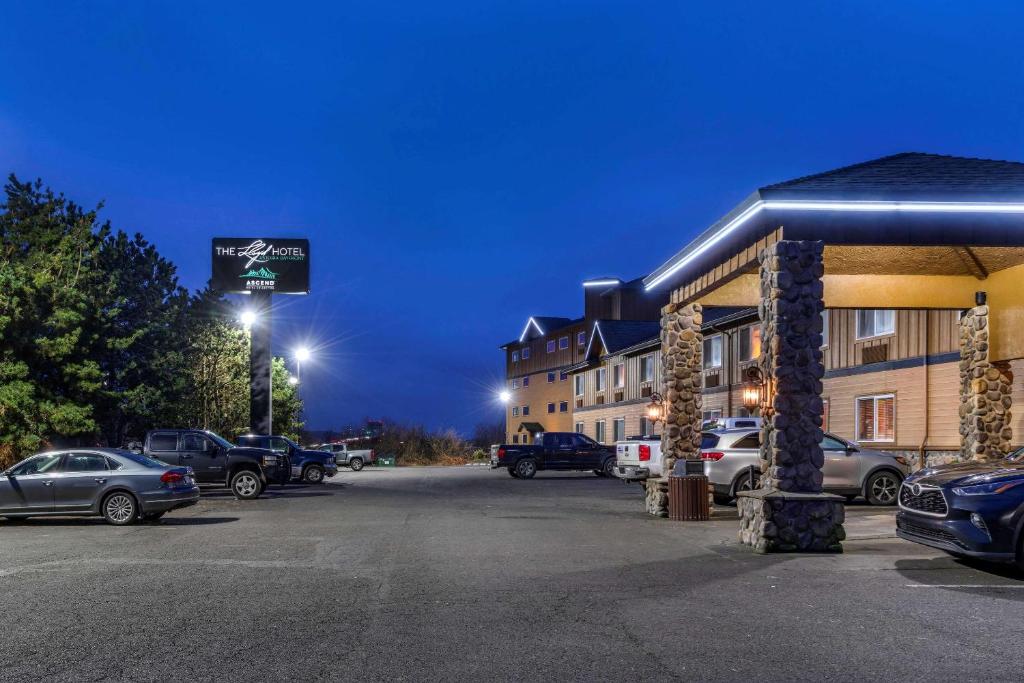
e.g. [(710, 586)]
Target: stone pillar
[(681, 351), (789, 512), (985, 399)]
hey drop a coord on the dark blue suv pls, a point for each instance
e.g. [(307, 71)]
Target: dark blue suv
[(973, 509), (308, 466)]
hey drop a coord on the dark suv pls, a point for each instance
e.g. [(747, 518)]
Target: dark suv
[(309, 466), (215, 460)]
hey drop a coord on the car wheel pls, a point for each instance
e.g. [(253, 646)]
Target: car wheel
[(246, 485), (746, 483), (356, 464), (512, 472), (609, 468), (120, 509), (882, 488), (314, 474), (153, 516), (526, 468)]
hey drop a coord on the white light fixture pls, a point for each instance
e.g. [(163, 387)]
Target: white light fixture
[(504, 396), (302, 354), (526, 329), (248, 318), (815, 205), (293, 380), (601, 283)]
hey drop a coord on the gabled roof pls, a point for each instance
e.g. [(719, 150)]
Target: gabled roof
[(539, 325), (911, 198), (532, 427), (616, 335)]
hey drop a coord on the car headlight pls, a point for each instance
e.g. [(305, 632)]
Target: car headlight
[(269, 460), (989, 489)]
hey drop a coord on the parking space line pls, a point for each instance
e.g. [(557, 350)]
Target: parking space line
[(1015, 586)]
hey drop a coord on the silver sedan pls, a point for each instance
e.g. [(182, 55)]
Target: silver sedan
[(120, 486)]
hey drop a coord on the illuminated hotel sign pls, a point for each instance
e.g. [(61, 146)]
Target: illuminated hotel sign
[(261, 264)]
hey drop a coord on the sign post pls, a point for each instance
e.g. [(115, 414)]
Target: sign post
[(260, 267)]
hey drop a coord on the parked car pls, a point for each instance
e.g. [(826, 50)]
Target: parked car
[(556, 451), (732, 423), (637, 460), (971, 509), (310, 466), (215, 460), (354, 458), (120, 486), (849, 470)]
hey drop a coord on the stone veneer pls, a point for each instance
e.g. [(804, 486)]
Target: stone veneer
[(789, 512), (681, 350), (985, 400)]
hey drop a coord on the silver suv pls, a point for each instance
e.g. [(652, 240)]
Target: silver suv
[(732, 459)]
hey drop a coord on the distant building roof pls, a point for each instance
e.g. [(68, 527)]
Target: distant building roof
[(542, 325), (532, 427)]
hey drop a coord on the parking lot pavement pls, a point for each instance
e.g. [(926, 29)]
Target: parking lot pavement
[(465, 573)]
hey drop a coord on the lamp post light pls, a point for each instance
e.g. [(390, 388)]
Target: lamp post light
[(504, 396), (248, 318)]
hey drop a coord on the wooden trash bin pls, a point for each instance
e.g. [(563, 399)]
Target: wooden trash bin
[(688, 498)]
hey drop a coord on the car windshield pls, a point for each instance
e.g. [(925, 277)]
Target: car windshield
[(220, 440), (140, 459)]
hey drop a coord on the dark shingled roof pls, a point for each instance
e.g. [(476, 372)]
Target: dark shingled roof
[(547, 323), (931, 176), (531, 427), (622, 334)]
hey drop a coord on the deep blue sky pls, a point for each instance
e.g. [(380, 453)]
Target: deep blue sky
[(459, 166)]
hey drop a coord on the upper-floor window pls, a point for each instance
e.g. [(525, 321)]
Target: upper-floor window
[(515, 356), (526, 410), (578, 381), (551, 407), (750, 343), (515, 438), (551, 346), (581, 339), (515, 383), (515, 411), (551, 377), (601, 376), (824, 328), (563, 343), (619, 375), (563, 406), (713, 352), (876, 418), (526, 352), (647, 368), (875, 322), (563, 376), (526, 381)]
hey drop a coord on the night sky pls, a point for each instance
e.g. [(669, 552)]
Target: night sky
[(460, 166)]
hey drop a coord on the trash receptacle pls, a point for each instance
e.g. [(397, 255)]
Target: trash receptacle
[(688, 492), (386, 461)]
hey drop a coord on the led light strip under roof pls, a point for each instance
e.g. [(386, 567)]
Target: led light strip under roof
[(757, 207)]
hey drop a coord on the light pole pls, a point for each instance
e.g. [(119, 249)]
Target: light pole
[(302, 354)]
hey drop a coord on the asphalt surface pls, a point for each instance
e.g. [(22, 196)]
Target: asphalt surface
[(467, 574)]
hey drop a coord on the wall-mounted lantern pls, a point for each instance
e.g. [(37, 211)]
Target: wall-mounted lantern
[(757, 392), (656, 409)]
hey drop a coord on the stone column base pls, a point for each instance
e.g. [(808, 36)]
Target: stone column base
[(657, 497), (773, 521)]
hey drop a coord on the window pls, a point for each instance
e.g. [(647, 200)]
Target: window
[(562, 376), (708, 440), (751, 441), (824, 415), (526, 410), (619, 375), (750, 343), (824, 328), (563, 343), (526, 381), (163, 442), (515, 438), (526, 352), (563, 407), (551, 377), (581, 339), (37, 465), (832, 444), (602, 374), (515, 356), (278, 445), (647, 368), (599, 431), (579, 380), (515, 411), (876, 418), (618, 429), (711, 415), (551, 407), (515, 383), (645, 427), (551, 346), (713, 352), (85, 462), (875, 323), (579, 428)]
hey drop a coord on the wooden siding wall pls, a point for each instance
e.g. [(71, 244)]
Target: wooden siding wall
[(910, 340), (633, 386), (540, 360)]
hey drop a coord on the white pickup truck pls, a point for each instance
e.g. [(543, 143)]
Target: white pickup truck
[(638, 460)]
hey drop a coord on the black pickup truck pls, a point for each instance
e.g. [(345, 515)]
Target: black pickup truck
[(215, 460), (555, 451)]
